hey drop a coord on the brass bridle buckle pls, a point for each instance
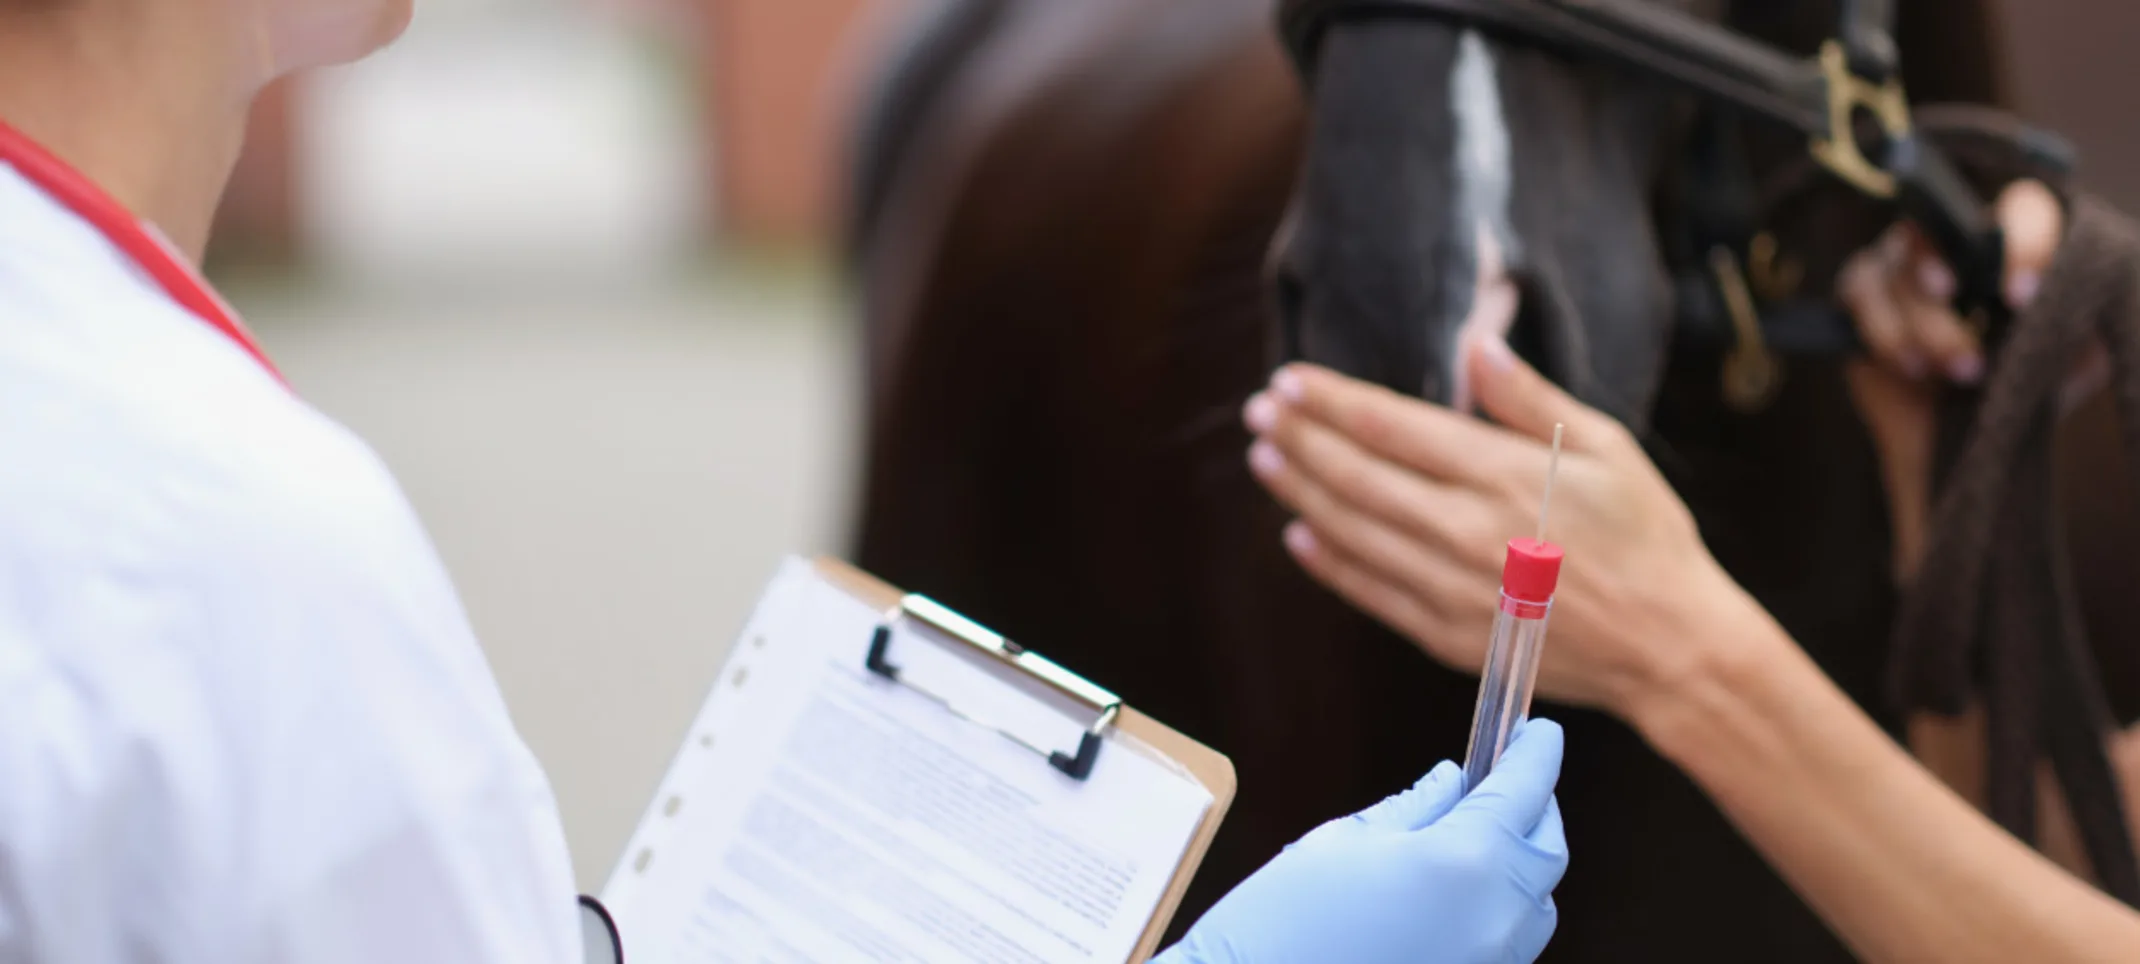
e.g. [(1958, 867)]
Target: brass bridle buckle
[(1752, 373), (1840, 151)]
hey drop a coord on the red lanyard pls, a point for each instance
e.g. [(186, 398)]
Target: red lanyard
[(148, 249)]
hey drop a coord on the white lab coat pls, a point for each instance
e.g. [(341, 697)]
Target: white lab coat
[(242, 716)]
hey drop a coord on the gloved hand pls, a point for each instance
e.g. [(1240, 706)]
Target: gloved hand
[(1429, 876)]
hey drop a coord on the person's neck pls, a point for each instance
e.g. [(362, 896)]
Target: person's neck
[(135, 96)]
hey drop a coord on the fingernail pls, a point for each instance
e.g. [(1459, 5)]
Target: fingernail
[(1894, 245), (1261, 413), (1286, 382), (1265, 459), (1498, 355), (1967, 369), (2021, 288), (1300, 539), (1936, 279)]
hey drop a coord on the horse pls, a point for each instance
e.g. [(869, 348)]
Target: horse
[(1061, 231)]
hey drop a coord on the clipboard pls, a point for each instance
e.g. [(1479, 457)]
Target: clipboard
[(906, 621), (1210, 767)]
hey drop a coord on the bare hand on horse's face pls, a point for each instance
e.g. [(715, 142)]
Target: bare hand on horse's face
[(1405, 509)]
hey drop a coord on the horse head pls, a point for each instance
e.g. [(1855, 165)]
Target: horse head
[(1457, 187)]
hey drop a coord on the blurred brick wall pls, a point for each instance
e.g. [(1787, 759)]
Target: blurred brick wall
[(772, 82)]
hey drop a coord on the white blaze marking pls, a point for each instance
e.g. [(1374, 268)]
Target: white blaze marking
[(1482, 151), (1483, 177)]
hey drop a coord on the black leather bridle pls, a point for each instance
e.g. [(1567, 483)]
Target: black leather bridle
[(1847, 101)]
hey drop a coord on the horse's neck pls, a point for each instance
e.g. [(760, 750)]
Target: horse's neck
[(1789, 501)]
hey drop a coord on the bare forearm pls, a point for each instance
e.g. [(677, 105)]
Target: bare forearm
[(1898, 865)]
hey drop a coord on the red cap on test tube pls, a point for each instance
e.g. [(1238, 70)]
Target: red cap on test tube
[(1528, 577), (1531, 571)]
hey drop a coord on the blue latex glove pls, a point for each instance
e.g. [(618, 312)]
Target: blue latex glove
[(1429, 876)]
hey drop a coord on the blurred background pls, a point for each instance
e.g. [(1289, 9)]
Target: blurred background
[(570, 266)]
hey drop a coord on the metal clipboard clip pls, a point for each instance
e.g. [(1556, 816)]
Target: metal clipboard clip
[(936, 616)]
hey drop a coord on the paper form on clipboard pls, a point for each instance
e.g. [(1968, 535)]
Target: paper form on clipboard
[(819, 811)]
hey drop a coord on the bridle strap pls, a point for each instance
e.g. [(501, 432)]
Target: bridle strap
[(1644, 37), (1868, 36)]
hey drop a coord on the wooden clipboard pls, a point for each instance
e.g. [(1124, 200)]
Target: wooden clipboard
[(1207, 766)]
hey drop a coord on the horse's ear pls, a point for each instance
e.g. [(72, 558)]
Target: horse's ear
[(1951, 51)]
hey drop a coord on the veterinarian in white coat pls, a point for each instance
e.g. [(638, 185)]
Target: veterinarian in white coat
[(242, 718)]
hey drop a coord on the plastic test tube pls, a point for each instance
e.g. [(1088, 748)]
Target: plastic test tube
[(1528, 577)]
